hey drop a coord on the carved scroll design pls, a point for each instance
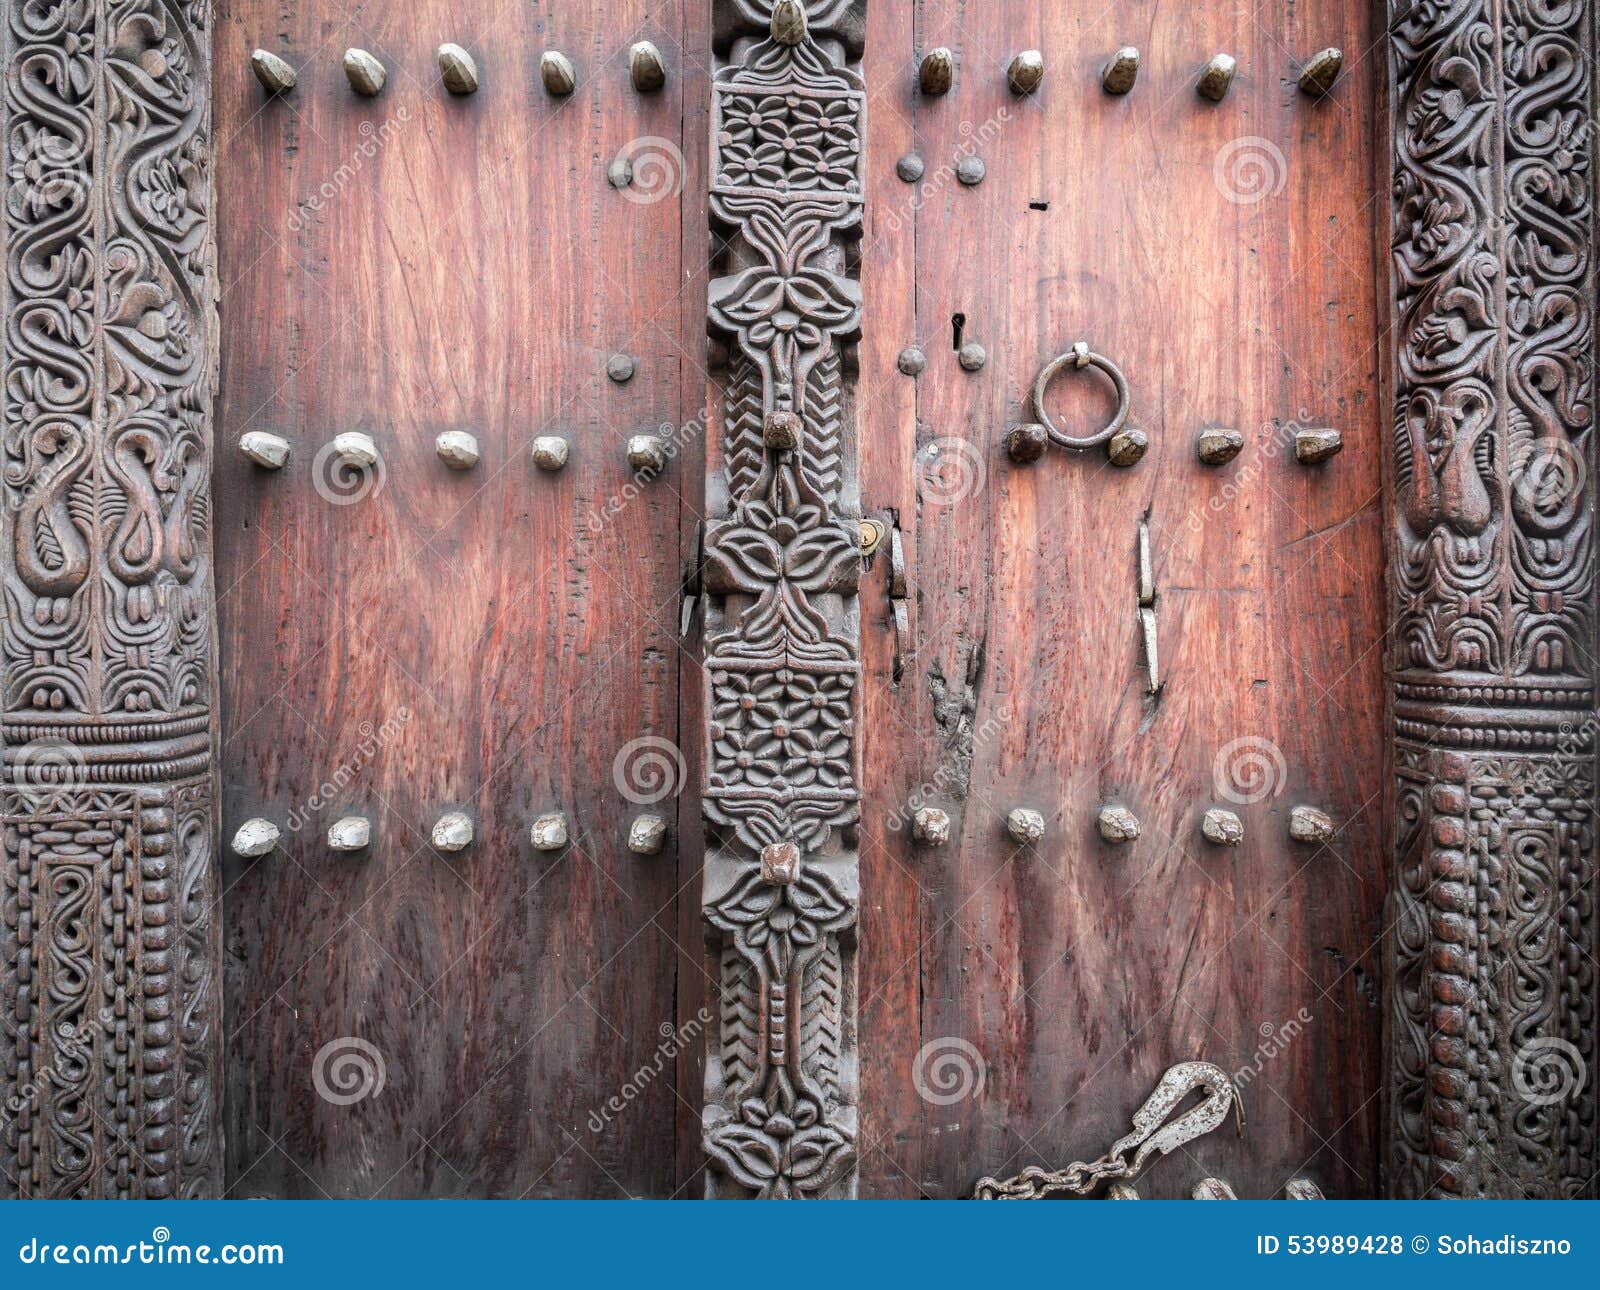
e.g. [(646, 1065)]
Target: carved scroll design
[(1491, 1000), (109, 996), (782, 647)]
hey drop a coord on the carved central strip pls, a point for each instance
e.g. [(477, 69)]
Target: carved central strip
[(782, 647)]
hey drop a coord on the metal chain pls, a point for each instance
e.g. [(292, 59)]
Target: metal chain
[(1151, 1138)]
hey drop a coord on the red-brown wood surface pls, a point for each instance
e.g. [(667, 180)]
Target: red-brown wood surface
[(402, 266)]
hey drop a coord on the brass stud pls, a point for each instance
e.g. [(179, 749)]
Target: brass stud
[(255, 838), (1127, 447), (1025, 826), (1212, 1189), (972, 356), (781, 430), (353, 833), (1026, 72), (275, 75), (938, 71), (1321, 71), (911, 361), (1308, 824), (872, 532), (1026, 443), (646, 453), (645, 66), (549, 832), (970, 170), (1118, 824), (620, 368), (910, 168), (931, 827), (364, 72), (647, 835), (557, 72), (269, 451), (1222, 827), (457, 449), (458, 70), (1216, 78), (452, 831), (1218, 445), (550, 452), (1302, 1189), (1313, 447), (1119, 74), (788, 22), (780, 863)]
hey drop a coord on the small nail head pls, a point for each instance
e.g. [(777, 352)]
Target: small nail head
[(937, 71), (1120, 73), (972, 357), (620, 368), (1222, 827), (970, 170), (1118, 824), (1313, 447), (457, 449), (550, 452), (931, 827), (364, 72), (1025, 825), (276, 75), (549, 832), (269, 451), (780, 863), (457, 69), (355, 449), (781, 430), (1026, 72), (645, 66), (255, 838), (1321, 71), (353, 833), (1128, 447), (911, 361), (910, 168), (647, 835), (788, 22), (1218, 445), (1308, 824), (1026, 443), (647, 453), (1216, 77), (557, 72), (452, 831), (619, 174)]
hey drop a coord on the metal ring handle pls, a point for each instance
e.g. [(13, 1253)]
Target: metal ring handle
[(1080, 355)]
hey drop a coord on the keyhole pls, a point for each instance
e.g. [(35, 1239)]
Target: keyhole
[(958, 324)]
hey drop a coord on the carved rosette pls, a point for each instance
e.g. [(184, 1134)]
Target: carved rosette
[(782, 562), (1491, 978), (109, 992)]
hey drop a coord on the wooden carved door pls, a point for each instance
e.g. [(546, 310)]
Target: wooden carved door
[(798, 598)]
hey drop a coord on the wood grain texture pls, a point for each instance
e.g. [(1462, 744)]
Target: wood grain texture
[(402, 266)]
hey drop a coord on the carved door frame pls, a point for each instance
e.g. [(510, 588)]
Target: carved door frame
[(109, 951)]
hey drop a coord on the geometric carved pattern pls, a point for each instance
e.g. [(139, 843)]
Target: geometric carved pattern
[(782, 646), (1493, 935), (110, 1011)]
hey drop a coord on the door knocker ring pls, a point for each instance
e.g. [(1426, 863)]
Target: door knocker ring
[(1080, 355)]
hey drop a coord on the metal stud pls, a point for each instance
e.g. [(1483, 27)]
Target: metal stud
[(457, 449), (1119, 74), (364, 72), (1218, 445), (970, 170), (550, 452), (1026, 72), (1302, 1189), (355, 450), (458, 70), (911, 361), (269, 451), (938, 71), (788, 22), (1222, 827), (620, 368), (557, 72), (1118, 824), (780, 863), (353, 833), (619, 174), (647, 453), (931, 827), (781, 430), (1026, 443), (1216, 77), (549, 832), (647, 835), (255, 838), (1321, 71), (1308, 824), (1313, 447), (452, 831), (910, 168), (1127, 447), (1025, 826), (1212, 1189), (972, 356), (645, 66), (275, 75), (1121, 1191)]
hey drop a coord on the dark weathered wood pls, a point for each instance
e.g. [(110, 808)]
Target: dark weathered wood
[(1490, 1070), (486, 640), (109, 953)]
